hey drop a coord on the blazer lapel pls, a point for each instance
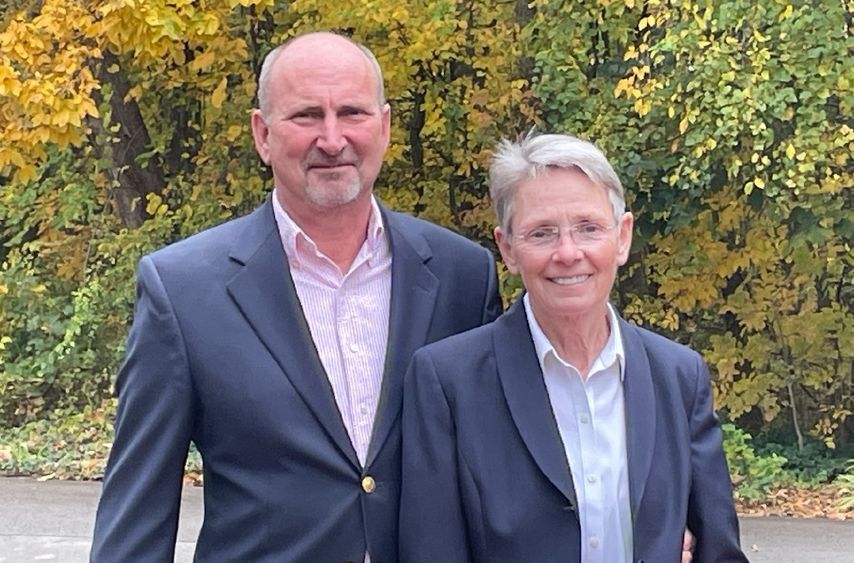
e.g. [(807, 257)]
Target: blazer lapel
[(640, 413), (414, 289), (525, 390), (264, 291)]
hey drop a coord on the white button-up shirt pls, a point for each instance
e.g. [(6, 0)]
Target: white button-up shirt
[(591, 420), (348, 316)]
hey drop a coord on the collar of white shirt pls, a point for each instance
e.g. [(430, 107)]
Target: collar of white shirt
[(610, 353), (297, 243)]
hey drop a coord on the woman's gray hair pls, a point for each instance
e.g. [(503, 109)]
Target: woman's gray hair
[(513, 163), (273, 56)]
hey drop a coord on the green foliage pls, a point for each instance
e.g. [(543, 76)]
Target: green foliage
[(60, 445), (753, 475), (63, 445), (815, 464), (846, 483)]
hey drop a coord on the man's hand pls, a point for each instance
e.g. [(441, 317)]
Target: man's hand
[(688, 543)]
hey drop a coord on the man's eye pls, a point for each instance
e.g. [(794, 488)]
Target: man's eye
[(351, 112), (306, 116)]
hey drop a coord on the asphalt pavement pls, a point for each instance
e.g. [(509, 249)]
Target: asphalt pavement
[(52, 521)]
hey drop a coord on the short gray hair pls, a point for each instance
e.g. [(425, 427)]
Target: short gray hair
[(273, 56), (515, 162)]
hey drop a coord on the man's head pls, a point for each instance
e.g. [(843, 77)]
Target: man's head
[(322, 123)]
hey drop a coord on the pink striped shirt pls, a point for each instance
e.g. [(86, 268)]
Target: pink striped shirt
[(347, 314)]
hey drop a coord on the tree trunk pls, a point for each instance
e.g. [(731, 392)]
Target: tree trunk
[(132, 179)]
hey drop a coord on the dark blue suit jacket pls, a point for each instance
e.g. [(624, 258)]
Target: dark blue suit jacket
[(220, 354), (485, 477)]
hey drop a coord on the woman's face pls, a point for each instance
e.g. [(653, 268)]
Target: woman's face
[(565, 279)]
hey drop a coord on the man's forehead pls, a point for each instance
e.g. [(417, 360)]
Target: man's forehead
[(323, 49)]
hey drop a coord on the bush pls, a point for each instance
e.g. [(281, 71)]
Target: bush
[(846, 483), (753, 475), (64, 445), (815, 464)]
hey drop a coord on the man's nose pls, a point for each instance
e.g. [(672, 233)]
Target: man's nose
[(332, 140)]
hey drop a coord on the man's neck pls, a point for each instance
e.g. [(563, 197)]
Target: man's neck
[(338, 232)]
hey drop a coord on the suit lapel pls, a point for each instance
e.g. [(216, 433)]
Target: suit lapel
[(640, 413), (414, 289), (264, 291), (527, 397)]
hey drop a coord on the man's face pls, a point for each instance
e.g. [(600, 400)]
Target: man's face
[(324, 133), (566, 280)]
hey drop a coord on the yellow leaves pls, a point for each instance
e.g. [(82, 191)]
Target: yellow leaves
[(690, 117), (154, 205), (790, 151), (631, 53), (9, 83), (645, 22), (234, 132), (25, 174), (642, 106), (219, 93), (203, 61)]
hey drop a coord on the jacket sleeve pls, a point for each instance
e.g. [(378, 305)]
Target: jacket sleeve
[(137, 518), (432, 521), (711, 512)]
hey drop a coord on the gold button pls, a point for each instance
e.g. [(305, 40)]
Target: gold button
[(368, 484)]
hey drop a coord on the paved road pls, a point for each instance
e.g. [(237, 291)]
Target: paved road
[(52, 521)]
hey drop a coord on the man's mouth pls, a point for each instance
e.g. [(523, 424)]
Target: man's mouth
[(328, 165)]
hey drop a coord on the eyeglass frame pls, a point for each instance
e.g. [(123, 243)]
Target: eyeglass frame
[(558, 230)]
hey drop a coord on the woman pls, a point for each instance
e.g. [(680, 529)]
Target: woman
[(560, 432)]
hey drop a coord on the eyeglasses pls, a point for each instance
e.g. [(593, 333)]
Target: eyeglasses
[(582, 234)]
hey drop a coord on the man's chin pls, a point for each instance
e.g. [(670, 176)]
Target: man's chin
[(332, 196)]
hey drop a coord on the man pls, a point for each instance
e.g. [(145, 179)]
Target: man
[(277, 342), (561, 432)]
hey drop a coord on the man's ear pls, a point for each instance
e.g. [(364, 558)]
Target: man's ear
[(386, 119), (260, 133), (506, 249)]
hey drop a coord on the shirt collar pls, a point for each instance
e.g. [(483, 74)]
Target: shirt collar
[(297, 243), (610, 353)]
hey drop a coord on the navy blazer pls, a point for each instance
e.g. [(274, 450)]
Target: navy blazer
[(485, 476), (220, 354)]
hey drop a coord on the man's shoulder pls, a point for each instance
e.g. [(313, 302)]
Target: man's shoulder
[(207, 246), (431, 232), (471, 343)]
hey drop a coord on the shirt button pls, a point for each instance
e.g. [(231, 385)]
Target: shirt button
[(354, 347), (368, 484), (585, 419), (594, 542), (591, 479)]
